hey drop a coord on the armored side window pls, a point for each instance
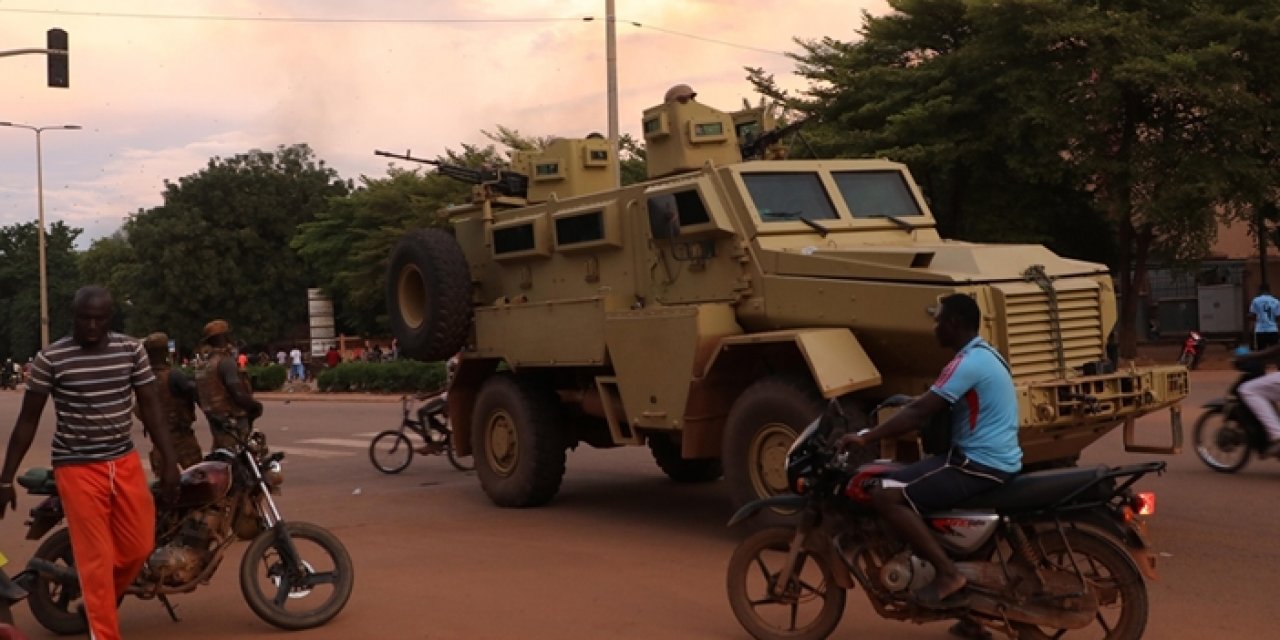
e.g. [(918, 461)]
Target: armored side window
[(876, 194), (782, 197), (514, 239), (580, 228)]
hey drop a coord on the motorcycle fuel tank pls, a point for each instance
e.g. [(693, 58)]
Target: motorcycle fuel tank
[(204, 483)]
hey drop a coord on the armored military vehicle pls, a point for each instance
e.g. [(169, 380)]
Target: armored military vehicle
[(708, 311)]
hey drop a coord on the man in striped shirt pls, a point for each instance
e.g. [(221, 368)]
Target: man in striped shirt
[(93, 375)]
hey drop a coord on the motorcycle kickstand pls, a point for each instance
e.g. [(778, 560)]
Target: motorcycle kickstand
[(169, 607)]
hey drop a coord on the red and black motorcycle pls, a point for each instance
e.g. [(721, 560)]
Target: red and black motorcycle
[(1049, 554), (294, 575)]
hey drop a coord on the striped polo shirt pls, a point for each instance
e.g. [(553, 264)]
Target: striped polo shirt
[(93, 395)]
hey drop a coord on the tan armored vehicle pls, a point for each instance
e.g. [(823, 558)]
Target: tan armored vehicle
[(709, 311)]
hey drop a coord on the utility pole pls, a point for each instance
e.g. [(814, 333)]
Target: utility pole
[(611, 63)]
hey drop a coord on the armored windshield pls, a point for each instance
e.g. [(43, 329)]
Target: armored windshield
[(782, 197), (876, 194)]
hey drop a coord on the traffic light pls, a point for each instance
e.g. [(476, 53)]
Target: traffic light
[(59, 74)]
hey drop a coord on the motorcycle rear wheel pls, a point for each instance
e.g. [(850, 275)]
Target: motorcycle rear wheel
[(752, 576), (1220, 442), (1110, 570), (391, 451), (57, 607), (271, 589)]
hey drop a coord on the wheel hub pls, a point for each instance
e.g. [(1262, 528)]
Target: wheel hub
[(768, 457), (502, 450)]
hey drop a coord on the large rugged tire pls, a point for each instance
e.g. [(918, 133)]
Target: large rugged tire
[(808, 609), (1111, 573), (517, 442), (761, 426), (666, 452), (429, 295)]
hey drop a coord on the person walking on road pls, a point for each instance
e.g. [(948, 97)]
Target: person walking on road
[(1263, 311), (93, 376), (224, 393), (296, 372)]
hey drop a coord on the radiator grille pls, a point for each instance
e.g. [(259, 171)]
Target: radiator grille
[(1029, 332)]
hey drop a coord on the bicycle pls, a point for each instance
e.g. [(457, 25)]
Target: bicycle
[(392, 450)]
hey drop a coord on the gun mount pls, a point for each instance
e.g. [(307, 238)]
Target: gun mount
[(503, 181)]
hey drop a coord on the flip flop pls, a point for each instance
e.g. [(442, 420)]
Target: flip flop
[(928, 598), (969, 629)]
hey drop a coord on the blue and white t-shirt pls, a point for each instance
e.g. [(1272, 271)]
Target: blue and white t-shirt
[(984, 406), (1265, 308)]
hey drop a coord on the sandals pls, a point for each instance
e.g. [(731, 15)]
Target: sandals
[(967, 628)]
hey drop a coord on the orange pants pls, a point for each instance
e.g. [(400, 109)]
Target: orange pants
[(112, 518)]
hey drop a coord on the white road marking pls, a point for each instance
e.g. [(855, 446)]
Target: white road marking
[(308, 452), (337, 442)]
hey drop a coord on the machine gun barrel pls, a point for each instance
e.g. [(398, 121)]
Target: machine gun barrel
[(755, 148), (505, 182)]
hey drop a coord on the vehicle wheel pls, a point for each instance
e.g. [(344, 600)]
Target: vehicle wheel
[(1112, 574), (761, 426), (390, 451), (296, 597), (1221, 442), (666, 452), (1184, 359), (516, 442), (429, 295), (57, 606), (807, 609), (459, 462)]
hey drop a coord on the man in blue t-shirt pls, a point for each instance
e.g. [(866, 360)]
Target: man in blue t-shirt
[(977, 388), (1263, 311)]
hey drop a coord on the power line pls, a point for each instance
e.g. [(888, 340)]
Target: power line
[(174, 16), (304, 20), (702, 38)]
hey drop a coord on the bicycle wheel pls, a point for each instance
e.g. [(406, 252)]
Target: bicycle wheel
[(390, 451), (459, 462)]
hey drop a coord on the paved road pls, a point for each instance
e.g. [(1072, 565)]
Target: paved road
[(624, 554)]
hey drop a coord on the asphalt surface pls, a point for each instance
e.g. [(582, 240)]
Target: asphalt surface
[(622, 553)]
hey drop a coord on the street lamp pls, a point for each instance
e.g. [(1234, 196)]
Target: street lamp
[(44, 278)]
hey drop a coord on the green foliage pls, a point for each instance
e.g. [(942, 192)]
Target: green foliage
[(267, 378), (219, 248), (399, 376), (20, 286), (349, 242)]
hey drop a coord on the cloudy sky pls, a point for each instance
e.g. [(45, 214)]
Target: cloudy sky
[(158, 96)]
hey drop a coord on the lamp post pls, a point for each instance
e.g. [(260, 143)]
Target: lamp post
[(44, 278)]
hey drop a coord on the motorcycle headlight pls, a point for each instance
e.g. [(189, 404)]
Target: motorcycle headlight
[(274, 475)]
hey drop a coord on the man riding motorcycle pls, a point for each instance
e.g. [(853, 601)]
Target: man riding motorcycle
[(977, 387)]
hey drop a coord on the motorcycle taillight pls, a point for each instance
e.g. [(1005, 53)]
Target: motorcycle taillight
[(1144, 504)]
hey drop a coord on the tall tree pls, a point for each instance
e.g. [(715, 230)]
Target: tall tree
[(20, 285), (219, 247)]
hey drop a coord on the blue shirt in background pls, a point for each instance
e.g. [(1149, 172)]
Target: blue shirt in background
[(1265, 308), (984, 406)]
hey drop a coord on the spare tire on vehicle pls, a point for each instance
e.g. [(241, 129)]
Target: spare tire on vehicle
[(429, 295)]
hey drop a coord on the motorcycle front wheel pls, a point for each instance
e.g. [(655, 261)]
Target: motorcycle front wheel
[(390, 451), (1221, 442), (298, 578), (56, 604), (809, 608), (1110, 572)]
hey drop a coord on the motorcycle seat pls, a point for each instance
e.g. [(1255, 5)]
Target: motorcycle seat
[(1036, 490), (38, 481)]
